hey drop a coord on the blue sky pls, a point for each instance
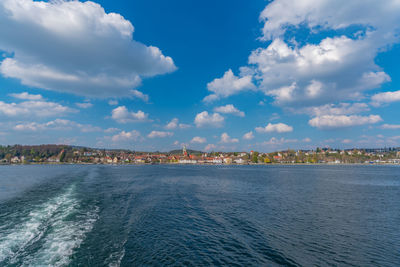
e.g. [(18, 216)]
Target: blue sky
[(214, 75)]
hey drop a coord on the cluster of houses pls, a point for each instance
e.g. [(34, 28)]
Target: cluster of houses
[(327, 156), (123, 157)]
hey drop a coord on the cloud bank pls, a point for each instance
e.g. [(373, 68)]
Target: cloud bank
[(75, 47)]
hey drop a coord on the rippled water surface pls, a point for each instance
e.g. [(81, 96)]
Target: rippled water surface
[(199, 215)]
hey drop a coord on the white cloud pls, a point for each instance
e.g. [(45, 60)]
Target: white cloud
[(27, 96), (56, 46), (274, 116), (159, 134), (122, 115), (306, 140), (314, 88), (390, 126), (198, 140), (112, 102), (229, 109), (84, 105), (126, 136), (340, 121), (111, 130), (317, 15), (248, 136), (339, 109), (210, 147), (328, 69), (34, 109), (57, 124), (346, 141), (283, 94), (226, 139), (278, 128), (67, 141), (140, 95), (228, 85), (204, 119), (385, 97), (379, 141), (275, 141), (315, 73), (173, 124), (184, 126)]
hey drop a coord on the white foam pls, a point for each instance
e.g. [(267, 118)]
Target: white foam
[(64, 236), (115, 258), (13, 240)]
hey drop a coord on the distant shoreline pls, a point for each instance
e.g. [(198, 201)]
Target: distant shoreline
[(203, 164)]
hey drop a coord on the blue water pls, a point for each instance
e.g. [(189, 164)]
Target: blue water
[(199, 215)]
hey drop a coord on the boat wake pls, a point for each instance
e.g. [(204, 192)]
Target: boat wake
[(50, 232)]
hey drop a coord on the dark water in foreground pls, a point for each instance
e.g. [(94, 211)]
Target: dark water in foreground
[(200, 215)]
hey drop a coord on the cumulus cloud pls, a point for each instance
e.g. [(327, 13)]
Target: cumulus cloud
[(174, 123), (58, 124), (390, 126), (159, 134), (126, 136), (385, 97), (248, 136), (184, 126), (275, 141), (228, 85), (198, 140), (27, 96), (122, 115), (140, 95), (84, 105), (204, 119), (278, 128), (338, 109), (379, 141), (229, 109), (279, 15), (34, 109), (56, 46), (226, 139), (339, 67), (111, 130), (112, 102), (210, 147), (341, 121), (335, 69)]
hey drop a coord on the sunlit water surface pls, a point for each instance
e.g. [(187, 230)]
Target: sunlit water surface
[(199, 215)]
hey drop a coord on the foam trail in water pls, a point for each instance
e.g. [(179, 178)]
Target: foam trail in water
[(114, 260), (64, 236), (14, 240)]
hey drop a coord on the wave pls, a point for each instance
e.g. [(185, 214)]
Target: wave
[(115, 258), (52, 230)]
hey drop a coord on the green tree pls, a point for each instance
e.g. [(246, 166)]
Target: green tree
[(62, 156)]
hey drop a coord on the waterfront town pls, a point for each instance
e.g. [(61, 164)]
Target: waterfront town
[(42, 154)]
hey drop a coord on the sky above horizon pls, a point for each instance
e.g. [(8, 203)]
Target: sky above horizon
[(214, 75)]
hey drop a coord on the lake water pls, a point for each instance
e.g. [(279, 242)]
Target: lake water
[(199, 215)]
